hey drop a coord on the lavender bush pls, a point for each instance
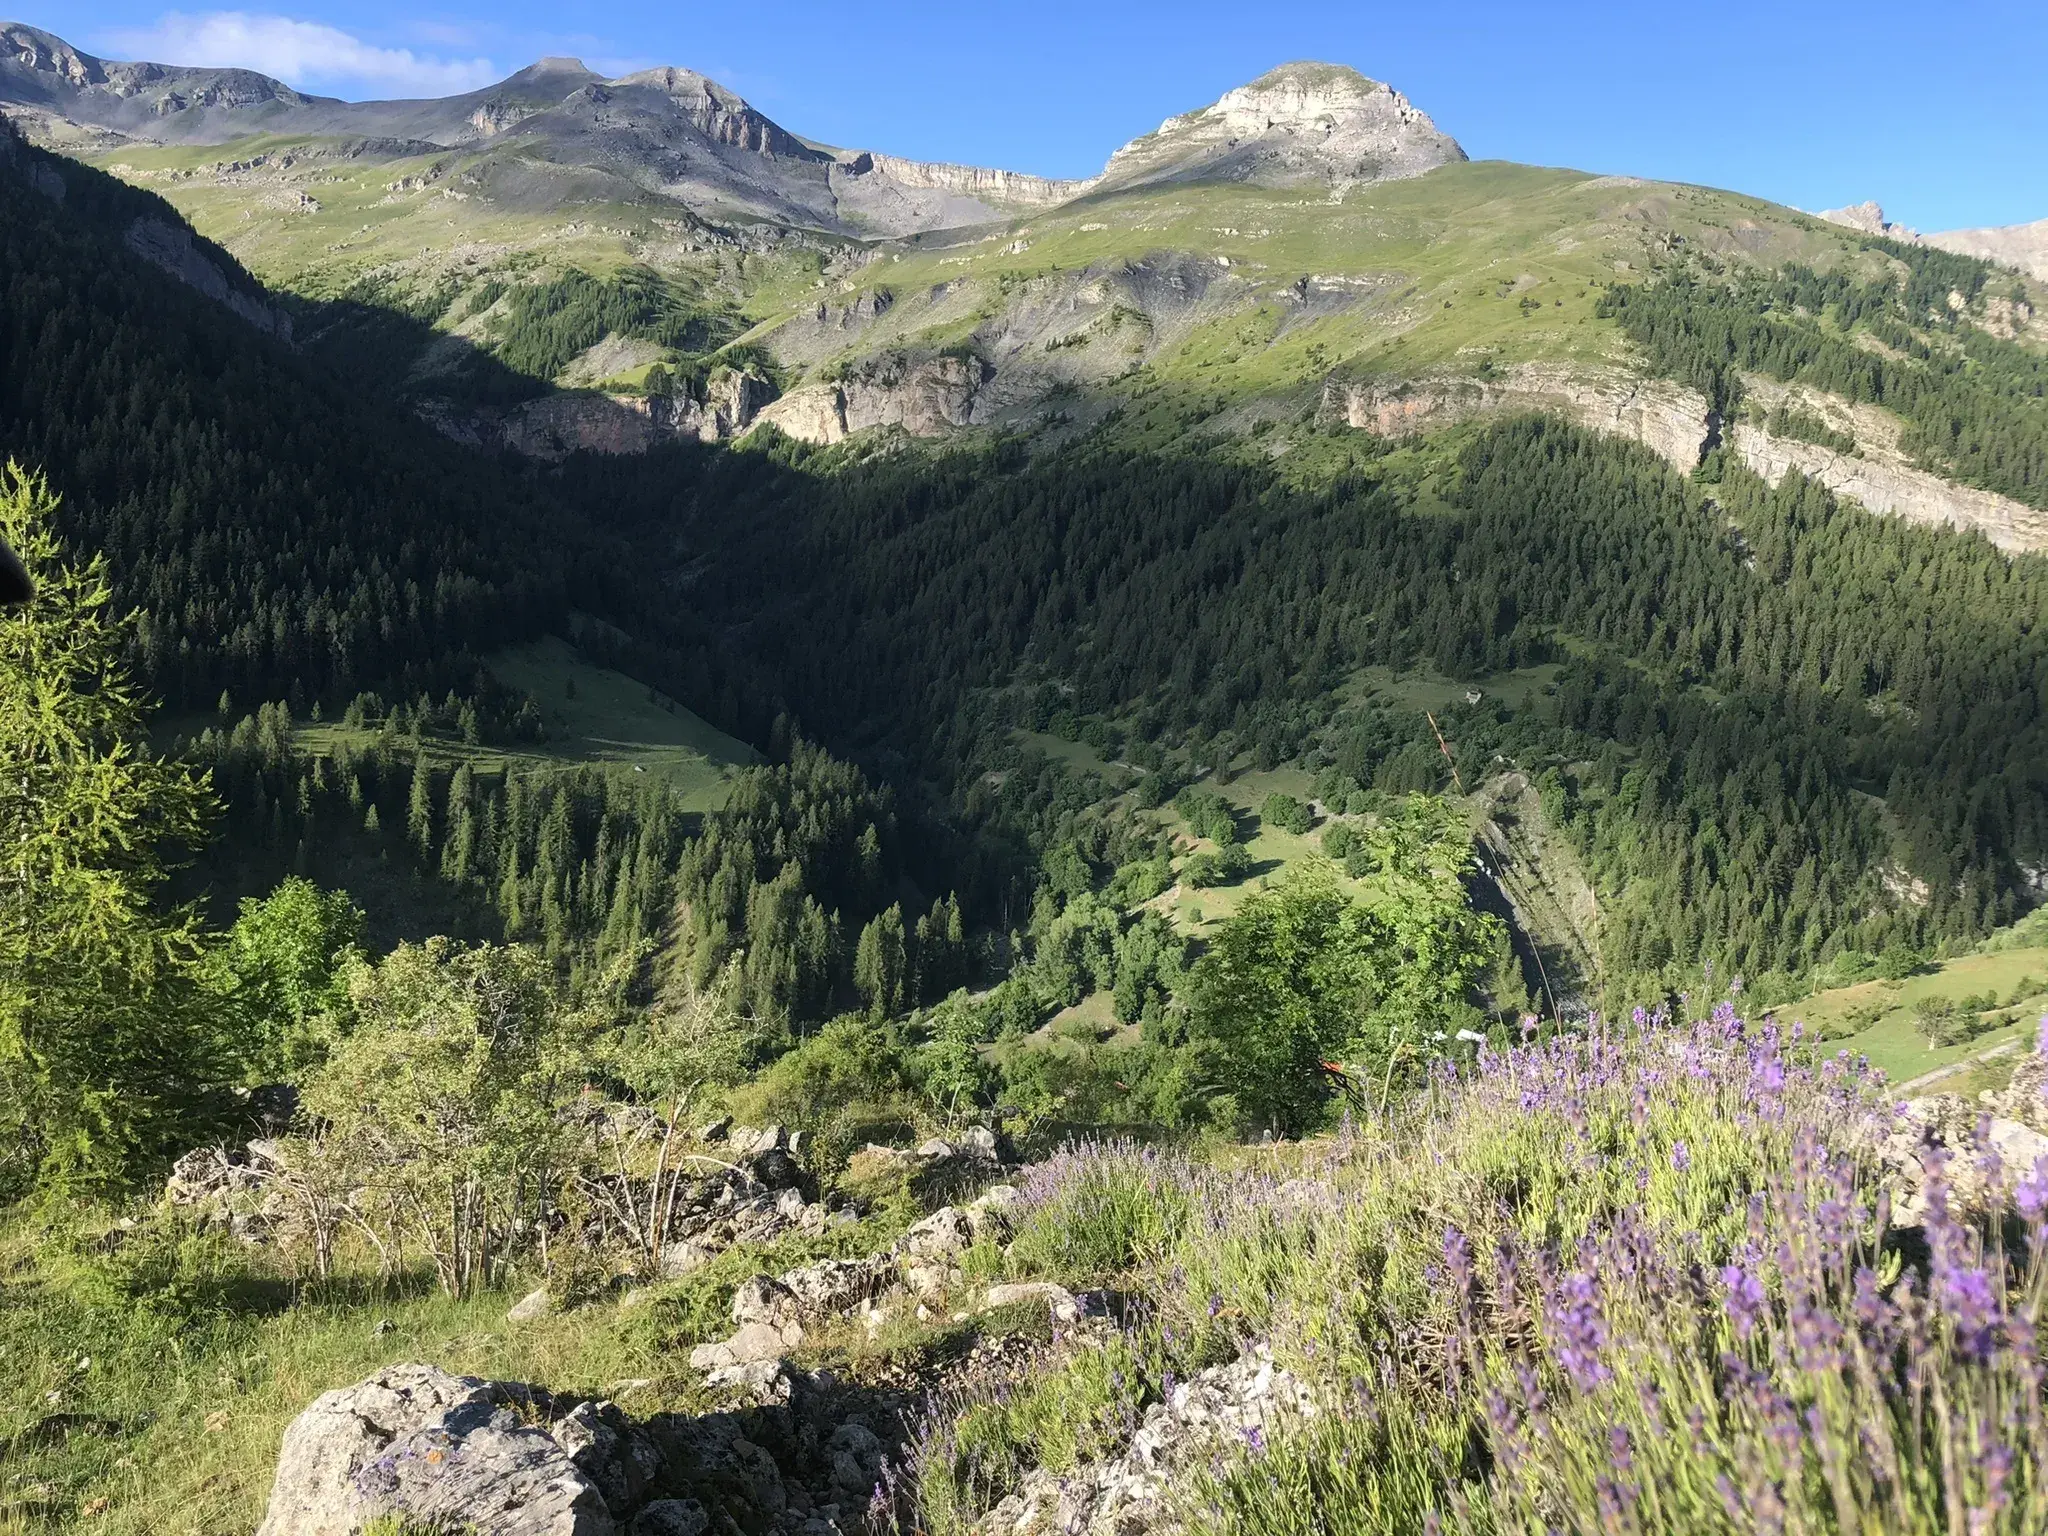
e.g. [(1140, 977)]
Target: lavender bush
[(1644, 1278)]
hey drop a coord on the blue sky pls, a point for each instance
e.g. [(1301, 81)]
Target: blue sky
[(1939, 112)]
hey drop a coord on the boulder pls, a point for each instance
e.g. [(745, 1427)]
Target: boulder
[(762, 1300), (855, 1454), (942, 1234), (753, 1341), (671, 1517), (416, 1442), (835, 1287), (606, 1448), (534, 1304), (1057, 1297)]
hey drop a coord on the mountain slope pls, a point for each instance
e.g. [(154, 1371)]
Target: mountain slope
[(1310, 249)]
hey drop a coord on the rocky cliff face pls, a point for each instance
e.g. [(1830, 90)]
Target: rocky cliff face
[(1300, 124), (2012, 245), (1009, 189), (925, 398), (719, 115), (2016, 245), (1663, 416), (172, 248), (1895, 488), (555, 426)]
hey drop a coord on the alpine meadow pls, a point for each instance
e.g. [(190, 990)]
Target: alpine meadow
[(703, 833)]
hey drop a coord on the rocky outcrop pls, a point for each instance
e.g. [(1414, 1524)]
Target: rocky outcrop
[(1885, 484), (1664, 416), (1010, 189), (717, 113), (1222, 1411), (174, 249), (415, 1441), (924, 398), (1299, 124), (1978, 1152), (2015, 245), (1869, 218), (555, 426)]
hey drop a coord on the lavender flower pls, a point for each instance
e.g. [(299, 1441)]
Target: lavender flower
[(1746, 1301)]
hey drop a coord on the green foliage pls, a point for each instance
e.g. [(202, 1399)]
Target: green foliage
[(1208, 815), (1226, 866), (1789, 421), (439, 1103), (273, 530), (547, 324), (167, 1266), (110, 1055), (1057, 1422), (1286, 813), (848, 1083), (1123, 1206), (284, 964), (1975, 406), (1306, 976)]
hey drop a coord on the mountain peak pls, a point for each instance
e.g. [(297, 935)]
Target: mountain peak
[(1302, 122)]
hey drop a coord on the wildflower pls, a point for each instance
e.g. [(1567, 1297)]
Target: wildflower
[(2032, 1194), (1746, 1299), (1581, 1331), (1970, 1299), (1681, 1157)]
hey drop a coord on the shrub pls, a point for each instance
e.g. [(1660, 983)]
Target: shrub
[(1101, 1209), (1286, 813), (1208, 815)]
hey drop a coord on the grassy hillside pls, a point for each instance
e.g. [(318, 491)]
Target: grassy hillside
[(1876, 1018), (1473, 266), (593, 716)]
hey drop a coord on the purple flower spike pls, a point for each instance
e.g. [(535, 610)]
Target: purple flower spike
[(1746, 1299), (2032, 1195), (1681, 1157)]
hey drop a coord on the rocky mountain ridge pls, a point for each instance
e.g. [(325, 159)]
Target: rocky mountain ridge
[(2024, 246), (681, 136)]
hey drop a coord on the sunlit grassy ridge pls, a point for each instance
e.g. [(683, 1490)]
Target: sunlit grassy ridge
[(1477, 263)]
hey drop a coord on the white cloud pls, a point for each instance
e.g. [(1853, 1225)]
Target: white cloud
[(308, 54)]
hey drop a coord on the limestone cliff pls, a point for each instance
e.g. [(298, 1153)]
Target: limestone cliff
[(1009, 189), (555, 426), (1664, 416), (174, 249), (1895, 488), (925, 398)]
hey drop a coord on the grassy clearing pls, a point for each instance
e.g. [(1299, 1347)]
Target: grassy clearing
[(594, 716), (1875, 1018)]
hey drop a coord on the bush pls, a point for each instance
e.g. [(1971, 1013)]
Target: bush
[(1938, 1020), (1898, 962), (1286, 813), (1203, 870), (1340, 841), (1098, 1211), (1208, 815), (170, 1267), (845, 1083)]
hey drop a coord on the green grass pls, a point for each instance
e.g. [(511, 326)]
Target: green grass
[(594, 716), (202, 1402), (1890, 1039)]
